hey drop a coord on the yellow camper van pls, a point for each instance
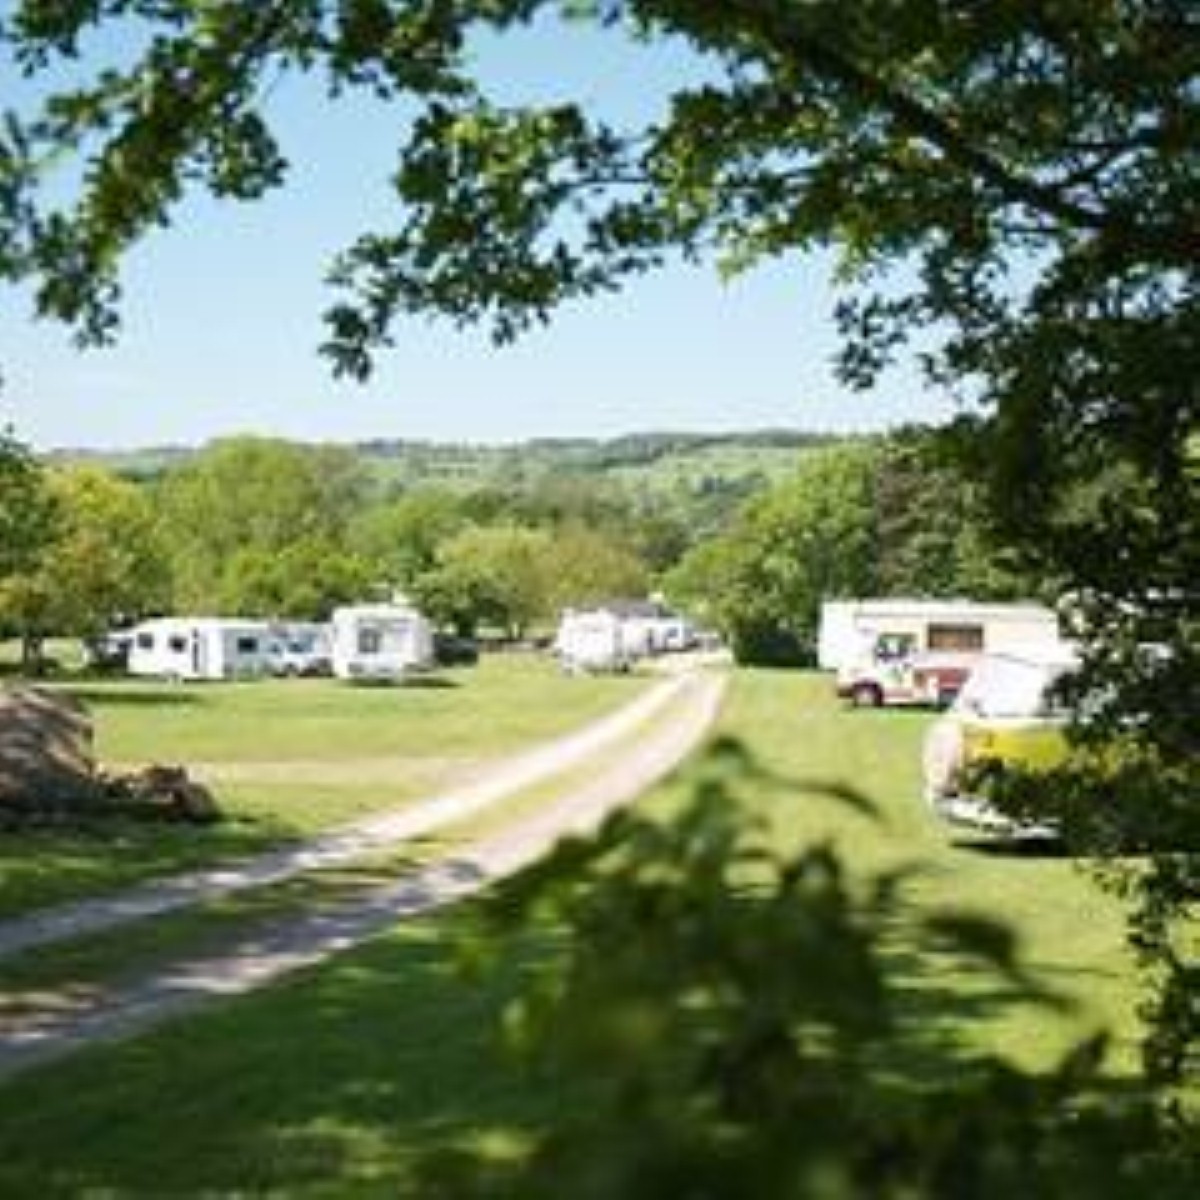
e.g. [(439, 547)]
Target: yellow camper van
[(1006, 713)]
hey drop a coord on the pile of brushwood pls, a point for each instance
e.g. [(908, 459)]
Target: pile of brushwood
[(49, 776)]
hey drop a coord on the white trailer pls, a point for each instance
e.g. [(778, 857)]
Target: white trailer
[(200, 648), (597, 640), (380, 642)]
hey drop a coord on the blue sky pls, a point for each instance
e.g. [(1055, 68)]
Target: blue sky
[(222, 315)]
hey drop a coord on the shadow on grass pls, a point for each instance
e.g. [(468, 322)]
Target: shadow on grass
[(1021, 847), (331, 1081), (131, 697), (344, 1079), (947, 1008), (41, 866), (431, 682)]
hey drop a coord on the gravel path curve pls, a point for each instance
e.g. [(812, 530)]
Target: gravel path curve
[(300, 941), (338, 847)]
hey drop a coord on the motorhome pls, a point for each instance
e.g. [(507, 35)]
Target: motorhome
[(898, 651), (380, 642), (189, 648)]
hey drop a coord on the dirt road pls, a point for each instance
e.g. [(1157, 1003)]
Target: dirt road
[(303, 940)]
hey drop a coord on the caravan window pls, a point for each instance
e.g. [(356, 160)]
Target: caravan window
[(370, 639), (247, 645), (145, 641), (177, 643), (956, 637)]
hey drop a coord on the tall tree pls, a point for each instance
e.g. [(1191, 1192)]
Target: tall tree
[(804, 541), (932, 531), (401, 536), (29, 524), (256, 496), (26, 507), (498, 575), (101, 561)]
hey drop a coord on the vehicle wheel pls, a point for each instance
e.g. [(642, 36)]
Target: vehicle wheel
[(866, 695)]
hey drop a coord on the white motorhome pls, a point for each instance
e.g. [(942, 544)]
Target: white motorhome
[(897, 651), (379, 642), (200, 648)]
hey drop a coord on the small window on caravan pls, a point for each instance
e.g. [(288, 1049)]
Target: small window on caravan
[(177, 643), (247, 645), (956, 637), (145, 641), (370, 639)]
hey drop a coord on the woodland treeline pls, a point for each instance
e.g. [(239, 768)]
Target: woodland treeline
[(269, 528)]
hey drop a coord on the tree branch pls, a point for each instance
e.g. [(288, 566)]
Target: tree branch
[(783, 29)]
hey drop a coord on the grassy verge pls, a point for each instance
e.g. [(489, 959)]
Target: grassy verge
[(89, 965), (297, 756), (334, 1082)]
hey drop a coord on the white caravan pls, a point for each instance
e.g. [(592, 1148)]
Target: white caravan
[(598, 640), (613, 635), (381, 642), (200, 648)]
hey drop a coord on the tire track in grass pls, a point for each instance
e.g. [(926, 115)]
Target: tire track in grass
[(310, 938)]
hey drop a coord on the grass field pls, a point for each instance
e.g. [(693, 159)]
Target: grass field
[(334, 1083), (289, 757)]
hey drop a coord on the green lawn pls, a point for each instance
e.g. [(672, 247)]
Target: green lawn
[(396, 1037), (290, 757), (83, 965)]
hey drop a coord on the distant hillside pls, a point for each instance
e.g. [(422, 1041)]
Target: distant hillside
[(643, 462)]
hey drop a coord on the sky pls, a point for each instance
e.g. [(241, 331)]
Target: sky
[(221, 317)]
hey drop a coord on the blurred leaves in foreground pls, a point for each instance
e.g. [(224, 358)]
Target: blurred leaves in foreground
[(720, 1017)]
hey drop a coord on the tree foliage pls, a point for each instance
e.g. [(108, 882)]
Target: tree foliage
[(254, 521), (722, 1020), (27, 512), (875, 517), (89, 559)]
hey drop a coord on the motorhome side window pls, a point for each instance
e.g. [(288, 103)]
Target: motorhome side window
[(177, 643), (370, 641), (145, 641), (956, 637), (247, 645)]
